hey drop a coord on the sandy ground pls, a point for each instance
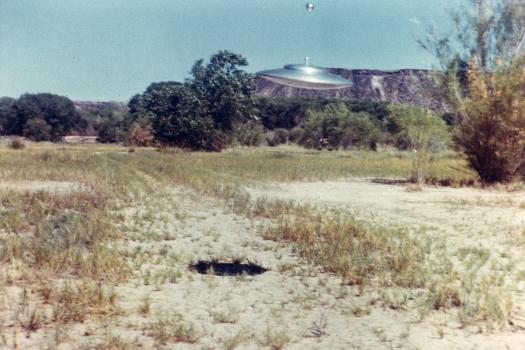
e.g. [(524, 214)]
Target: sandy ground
[(447, 211), (60, 187), (293, 300), (312, 308)]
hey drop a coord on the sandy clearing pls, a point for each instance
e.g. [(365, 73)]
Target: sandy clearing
[(60, 187), (179, 227), (447, 210), (292, 297)]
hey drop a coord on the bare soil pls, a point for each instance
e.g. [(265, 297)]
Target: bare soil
[(60, 187)]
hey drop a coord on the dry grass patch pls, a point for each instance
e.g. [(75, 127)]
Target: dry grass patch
[(345, 246), (65, 234), (74, 302), (173, 329), (381, 257)]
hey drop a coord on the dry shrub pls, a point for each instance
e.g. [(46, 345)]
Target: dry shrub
[(386, 257), (141, 136), (492, 127), (16, 144)]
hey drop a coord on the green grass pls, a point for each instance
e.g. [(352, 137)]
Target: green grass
[(259, 164), (293, 164)]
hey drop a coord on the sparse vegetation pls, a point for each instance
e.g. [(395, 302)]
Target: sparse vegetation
[(202, 215), (236, 340), (172, 329), (276, 339), (344, 246), (62, 245)]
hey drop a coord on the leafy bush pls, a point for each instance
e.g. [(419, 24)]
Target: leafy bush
[(181, 119), (249, 135), (360, 131), (37, 129), (223, 88), (111, 131), (296, 135), (201, 113), (8, 119), (271, 139), (422, 131), (281, 135), (58, 112), (49, 117), (417, 128), (279, 112), (335, 127)]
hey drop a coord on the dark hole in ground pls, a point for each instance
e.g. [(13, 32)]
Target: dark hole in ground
[(234, 268), (390, 181)]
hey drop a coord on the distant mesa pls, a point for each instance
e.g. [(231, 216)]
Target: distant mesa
[(406, 86), (96, 106)]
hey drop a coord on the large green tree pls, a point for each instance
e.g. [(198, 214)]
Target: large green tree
[(8, 120), (224, 88), (57, 111), (179, 117), (202, 112)]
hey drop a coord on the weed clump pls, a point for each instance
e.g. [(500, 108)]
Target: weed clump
[(172, 329), (75, 301), (16, 144)]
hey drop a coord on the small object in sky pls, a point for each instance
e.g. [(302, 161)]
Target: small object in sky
[(306, 76), (310, 7)]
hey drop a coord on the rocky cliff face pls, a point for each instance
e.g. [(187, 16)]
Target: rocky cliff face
[(96, 106), (407, 86)]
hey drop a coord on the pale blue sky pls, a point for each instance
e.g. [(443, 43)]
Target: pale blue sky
[(112, 49)]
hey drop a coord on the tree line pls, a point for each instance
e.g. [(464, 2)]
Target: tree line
[(212, 109)]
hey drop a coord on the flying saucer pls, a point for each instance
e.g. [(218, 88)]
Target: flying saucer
[(310, 7), (305, 76)]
